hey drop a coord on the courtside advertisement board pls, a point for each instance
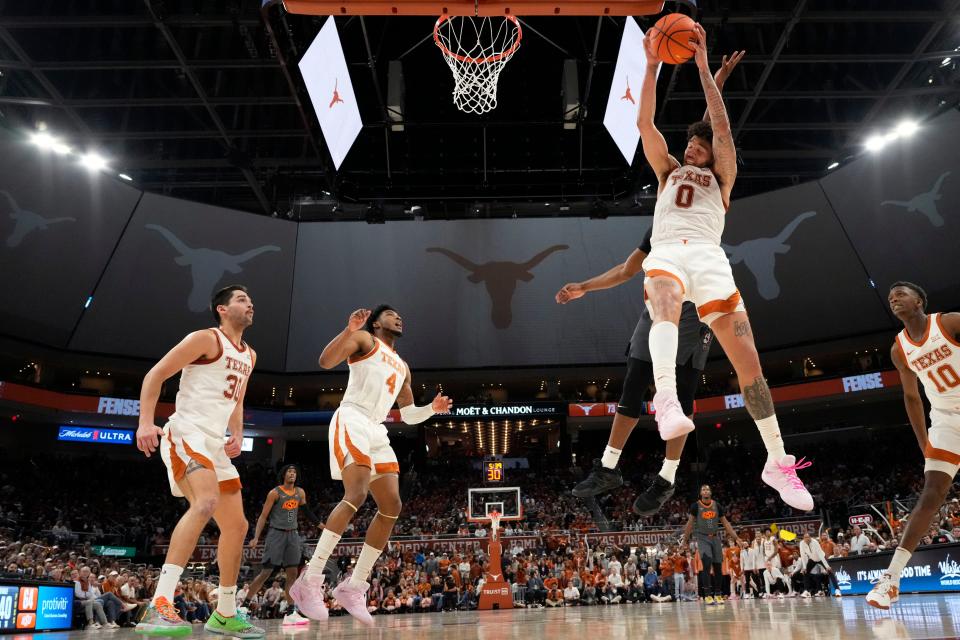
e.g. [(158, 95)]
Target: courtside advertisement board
[(35, 607), (932, 568)]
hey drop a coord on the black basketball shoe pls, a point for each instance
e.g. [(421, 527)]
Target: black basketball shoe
[(599, 481), (650, 501)]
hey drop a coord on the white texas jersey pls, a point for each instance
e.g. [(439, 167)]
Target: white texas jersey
[(768, 548), (210, 389), (375, 381), (936, 361), (689, 209)]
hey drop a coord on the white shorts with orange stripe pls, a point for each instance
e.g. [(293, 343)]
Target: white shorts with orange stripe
[(356, 439), (943, 442), (183, 444), (704, 274)]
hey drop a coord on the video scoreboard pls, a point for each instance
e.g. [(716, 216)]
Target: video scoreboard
[(34, 607)]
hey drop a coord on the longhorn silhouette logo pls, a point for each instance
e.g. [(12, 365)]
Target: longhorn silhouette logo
[(925, 203), (500, 279), (207, 266), (27, 221), (760, 256)]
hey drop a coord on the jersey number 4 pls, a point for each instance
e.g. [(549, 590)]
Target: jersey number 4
[(949, 377), (392, 383), (233, 392)]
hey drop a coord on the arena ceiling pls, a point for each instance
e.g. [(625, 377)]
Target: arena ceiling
[(203, 99)]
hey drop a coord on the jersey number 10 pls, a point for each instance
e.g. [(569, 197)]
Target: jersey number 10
[(949, 377)]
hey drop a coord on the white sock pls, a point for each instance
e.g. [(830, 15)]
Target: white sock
[(769, 430), (610, 457), (325, 546), (669, 470), (167, 583), (664, 337), (361, 570), (900, 559), (227, 603)]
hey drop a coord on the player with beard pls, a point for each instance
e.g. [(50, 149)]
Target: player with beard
[(360, 452)]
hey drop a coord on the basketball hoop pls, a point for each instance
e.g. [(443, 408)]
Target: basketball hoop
[(476, 50), (494, 524)]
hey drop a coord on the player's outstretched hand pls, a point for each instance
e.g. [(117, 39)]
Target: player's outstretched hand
[(358, 319), (441, 404), (148, 438), (570, 291), (233, 445), (727, 65), (649, 49), (699, 43)]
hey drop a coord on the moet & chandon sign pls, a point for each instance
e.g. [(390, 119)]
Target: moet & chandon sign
[(502, 411)]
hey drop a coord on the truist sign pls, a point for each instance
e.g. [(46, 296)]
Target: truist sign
[(94, 434)]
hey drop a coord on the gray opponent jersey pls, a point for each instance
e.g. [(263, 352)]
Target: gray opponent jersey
[(283, 513), (694, 340), (707, 517)]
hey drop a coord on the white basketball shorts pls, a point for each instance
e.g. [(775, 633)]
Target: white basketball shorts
[(183, 445), (704, 274), (943, 442), (356, 439)]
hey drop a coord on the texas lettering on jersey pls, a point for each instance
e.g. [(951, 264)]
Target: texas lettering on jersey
[(939, 354), (238, 365), (704, 180)]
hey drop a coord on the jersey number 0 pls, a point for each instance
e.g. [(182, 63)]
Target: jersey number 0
[(684, 196)]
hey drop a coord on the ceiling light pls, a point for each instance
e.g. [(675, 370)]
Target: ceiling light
[(833, 165), (124, 176), (876, 143), (906, 128), (945, 62), (47, 142), (93, 161)]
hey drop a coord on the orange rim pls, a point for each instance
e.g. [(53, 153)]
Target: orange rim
[(494, 58)]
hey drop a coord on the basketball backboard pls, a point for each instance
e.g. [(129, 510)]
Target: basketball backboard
[(504, 500), (474, 8)]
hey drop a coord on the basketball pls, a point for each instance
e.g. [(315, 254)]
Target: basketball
[(671, 35)]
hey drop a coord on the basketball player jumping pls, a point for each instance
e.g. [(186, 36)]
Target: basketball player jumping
[(694, 347), (282, 548), (687, 263), (216, 366), (360, 452), (928, 349), (704, 522)]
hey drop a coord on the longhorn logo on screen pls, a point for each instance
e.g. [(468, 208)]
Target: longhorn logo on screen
[(26, 221), (925, 203), (207, 266), (500, 279), (760, 256)]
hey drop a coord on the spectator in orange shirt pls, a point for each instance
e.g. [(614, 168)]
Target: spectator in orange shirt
[(680, 568), (731, 557)]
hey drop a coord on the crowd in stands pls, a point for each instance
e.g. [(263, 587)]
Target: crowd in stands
[(87, 502)]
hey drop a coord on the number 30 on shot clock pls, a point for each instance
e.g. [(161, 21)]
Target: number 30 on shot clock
[(493, 470)]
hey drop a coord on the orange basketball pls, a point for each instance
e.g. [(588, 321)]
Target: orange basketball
[(671, 38)]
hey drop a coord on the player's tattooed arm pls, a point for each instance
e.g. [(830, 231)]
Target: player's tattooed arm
[(757, 398), (724, 152)]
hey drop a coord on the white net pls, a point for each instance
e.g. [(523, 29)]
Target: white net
[(476, 50)]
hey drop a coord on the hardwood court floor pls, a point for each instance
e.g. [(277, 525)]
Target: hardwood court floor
[(916, 616)]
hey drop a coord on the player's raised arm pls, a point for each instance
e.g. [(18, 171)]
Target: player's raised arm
[(720, 77), (613, 277), (654, 146), (911, 396), (196, 346), (349, 341), (724, 152), (411, 413)]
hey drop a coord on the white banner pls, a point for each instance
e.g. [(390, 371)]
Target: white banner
[(325, 73), (623, 102)]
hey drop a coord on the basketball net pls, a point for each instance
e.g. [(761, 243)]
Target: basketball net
[(476, 50), (494, 524)]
